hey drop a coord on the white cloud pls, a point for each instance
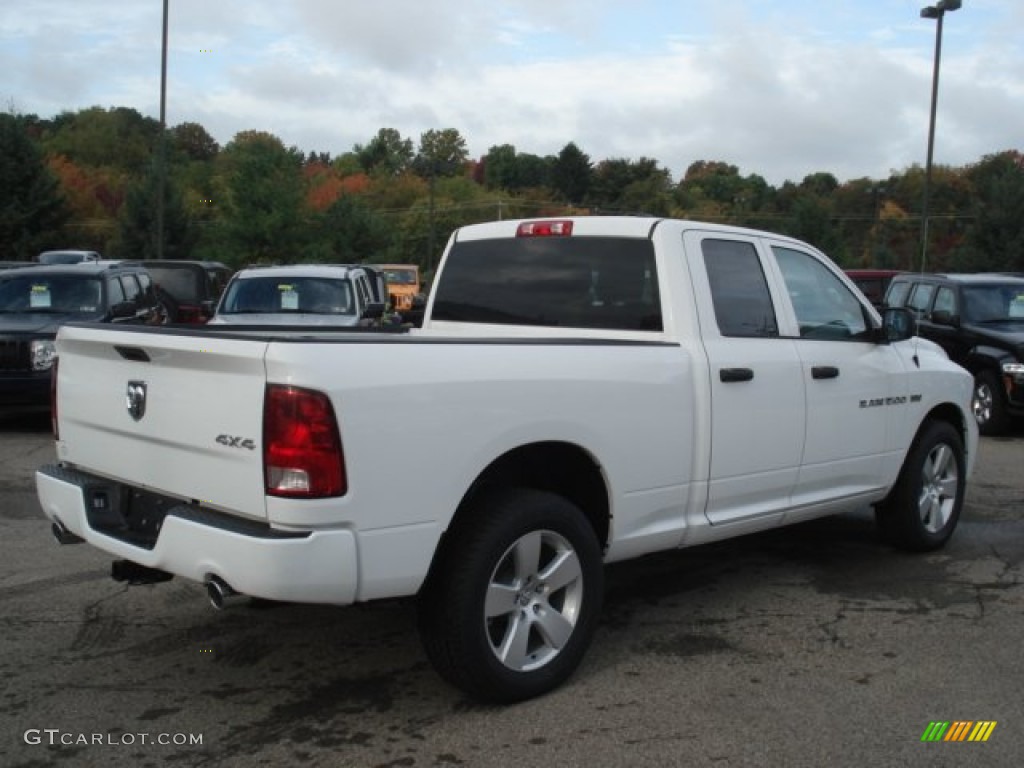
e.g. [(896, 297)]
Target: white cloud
[(782, 89)]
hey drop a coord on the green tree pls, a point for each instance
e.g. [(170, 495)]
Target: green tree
[(119, 138), (501, 168), (571, 174), (630, 185), (263, 218), (533, 171), (192, 140), (349, 232), (441, 153), (807, 215), (713, 181), (347, 164), (387, 154), (997, 232), (32, 208), (716, 190), (138, 231)]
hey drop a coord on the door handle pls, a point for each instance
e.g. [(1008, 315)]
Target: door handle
[(735, 374), (824, 372)]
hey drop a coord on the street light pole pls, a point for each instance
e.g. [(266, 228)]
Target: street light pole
[(161, 146), (937, 12)]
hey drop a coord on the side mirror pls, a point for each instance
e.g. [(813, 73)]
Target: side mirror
[(945, 317), (374, 311), (898, 323), (207, 307)]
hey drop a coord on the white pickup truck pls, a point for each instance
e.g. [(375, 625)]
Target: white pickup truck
[(583, 391)]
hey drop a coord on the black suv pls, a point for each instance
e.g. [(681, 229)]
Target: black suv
[(35, 301), (979, 321), (189, 289)]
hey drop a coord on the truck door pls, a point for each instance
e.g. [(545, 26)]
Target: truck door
[(851, 380), (756, 381)]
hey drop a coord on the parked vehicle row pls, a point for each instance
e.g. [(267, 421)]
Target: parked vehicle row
[(73, 285)]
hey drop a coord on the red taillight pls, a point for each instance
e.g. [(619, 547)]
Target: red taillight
[(53, 400), (544, 229), (302, 455)]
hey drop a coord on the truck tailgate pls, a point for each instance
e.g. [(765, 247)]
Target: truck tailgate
[(177, 413)]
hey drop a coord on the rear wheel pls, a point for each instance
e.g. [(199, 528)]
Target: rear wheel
[(923, 509), (989, 404), (511, 609)]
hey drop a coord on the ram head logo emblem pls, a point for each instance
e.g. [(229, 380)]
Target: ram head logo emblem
[(135, 399)]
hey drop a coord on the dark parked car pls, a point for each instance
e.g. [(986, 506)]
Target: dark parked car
[(36, 300), (189, 289), (979, 320)]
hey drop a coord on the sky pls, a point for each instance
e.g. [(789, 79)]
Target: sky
[(778, 88)]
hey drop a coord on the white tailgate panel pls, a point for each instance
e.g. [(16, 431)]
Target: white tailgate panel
[(196, 390)]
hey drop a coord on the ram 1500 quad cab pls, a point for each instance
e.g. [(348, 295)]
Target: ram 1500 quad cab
[(586, 390)]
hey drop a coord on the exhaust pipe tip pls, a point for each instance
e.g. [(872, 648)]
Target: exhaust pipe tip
[(62, 535), (221, 594)]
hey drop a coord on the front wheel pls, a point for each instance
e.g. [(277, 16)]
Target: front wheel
[(510, 610), (923, 509), (989, 404)]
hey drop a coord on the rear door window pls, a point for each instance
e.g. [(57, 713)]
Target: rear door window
[(739, 290), (573, 282)]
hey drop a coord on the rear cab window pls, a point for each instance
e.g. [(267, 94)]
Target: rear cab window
[(739, 290), (603, 282)]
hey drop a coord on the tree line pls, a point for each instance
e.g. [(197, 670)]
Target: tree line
[(92, 179)]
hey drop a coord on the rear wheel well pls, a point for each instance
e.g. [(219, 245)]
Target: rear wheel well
[(560, 468)]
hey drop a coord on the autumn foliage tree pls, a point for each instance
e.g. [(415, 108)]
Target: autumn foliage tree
[(255, 199)]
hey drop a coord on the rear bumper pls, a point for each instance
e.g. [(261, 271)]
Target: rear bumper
[(310, 566)]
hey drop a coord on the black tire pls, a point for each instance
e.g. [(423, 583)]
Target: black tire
[(169, 306), (922, 511), (535, 559), (989, 404)]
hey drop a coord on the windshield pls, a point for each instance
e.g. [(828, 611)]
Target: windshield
[(269, 295), (58, 294), (400, 276), (993, 303)]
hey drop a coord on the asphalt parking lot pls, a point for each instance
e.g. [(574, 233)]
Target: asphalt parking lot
[(808, 646)]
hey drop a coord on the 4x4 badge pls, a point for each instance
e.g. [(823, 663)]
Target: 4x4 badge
[(135, 399)]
